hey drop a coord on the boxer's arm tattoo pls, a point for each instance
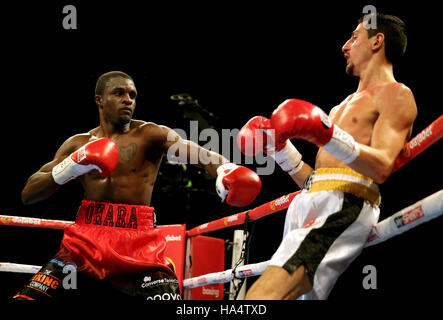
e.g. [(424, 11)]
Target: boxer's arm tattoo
[(127, 153)]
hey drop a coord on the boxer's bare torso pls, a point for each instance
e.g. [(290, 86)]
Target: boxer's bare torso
[(369, 115), (140, 155), (141, 147)]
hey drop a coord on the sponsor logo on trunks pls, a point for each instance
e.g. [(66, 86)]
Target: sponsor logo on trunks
[(101, 214), (278, 202), (44, 282), (147, 282), (409, 217), (165, 296), (57, 262)]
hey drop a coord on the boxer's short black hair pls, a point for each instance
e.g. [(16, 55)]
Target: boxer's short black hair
[(394, 30), (103, 80)]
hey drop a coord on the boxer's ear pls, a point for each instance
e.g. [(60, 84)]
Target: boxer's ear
[(98, 100), (378, 41)]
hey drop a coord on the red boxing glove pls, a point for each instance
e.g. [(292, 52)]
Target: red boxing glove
[(101, 154), (258, 135), (237, 184), (300, 119), (252, 139)]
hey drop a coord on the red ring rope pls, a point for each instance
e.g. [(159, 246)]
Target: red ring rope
[(427, 137)]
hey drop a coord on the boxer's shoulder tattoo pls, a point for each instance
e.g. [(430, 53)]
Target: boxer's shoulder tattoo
[(127, 153)]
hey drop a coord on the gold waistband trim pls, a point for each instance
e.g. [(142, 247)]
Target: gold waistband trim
[(345, 180)]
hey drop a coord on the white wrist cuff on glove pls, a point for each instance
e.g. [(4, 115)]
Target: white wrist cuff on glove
[(225, 166), (221, 190), (68, 170), (288, 158), (342, 146)]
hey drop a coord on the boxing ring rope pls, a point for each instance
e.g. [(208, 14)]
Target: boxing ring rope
[(240, 218), (422, 211), (33, 222), (426, 138)]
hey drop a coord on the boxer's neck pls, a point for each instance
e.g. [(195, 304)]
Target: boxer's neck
[(375, 74), (110, 129)]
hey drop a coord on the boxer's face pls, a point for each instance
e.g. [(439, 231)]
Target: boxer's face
[(118, 100), (357, 50)]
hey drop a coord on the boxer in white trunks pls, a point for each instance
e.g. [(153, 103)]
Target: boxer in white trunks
[(328, 223)]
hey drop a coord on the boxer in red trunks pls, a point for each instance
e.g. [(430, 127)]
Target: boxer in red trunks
[(114, 237)]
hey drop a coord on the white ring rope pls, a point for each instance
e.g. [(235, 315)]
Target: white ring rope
[(422, 211), (18, 268)]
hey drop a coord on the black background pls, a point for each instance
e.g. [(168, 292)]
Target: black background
[(237, 61)]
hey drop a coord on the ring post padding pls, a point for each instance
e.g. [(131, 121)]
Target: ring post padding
[(236, 255)]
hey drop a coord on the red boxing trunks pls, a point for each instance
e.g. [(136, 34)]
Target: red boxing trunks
[(113, 242)]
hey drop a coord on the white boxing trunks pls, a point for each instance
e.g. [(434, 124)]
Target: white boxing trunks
[(327, 226)]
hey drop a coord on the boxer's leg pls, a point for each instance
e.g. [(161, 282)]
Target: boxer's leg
[(277, 284), (151, 284), (45, 284)]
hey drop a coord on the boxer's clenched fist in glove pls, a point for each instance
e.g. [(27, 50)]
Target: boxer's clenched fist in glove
[(101, 154), (258, 135), (238, 185), (300, 119)]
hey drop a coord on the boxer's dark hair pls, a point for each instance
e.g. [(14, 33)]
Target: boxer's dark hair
[(394, 30), (103, 80)]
